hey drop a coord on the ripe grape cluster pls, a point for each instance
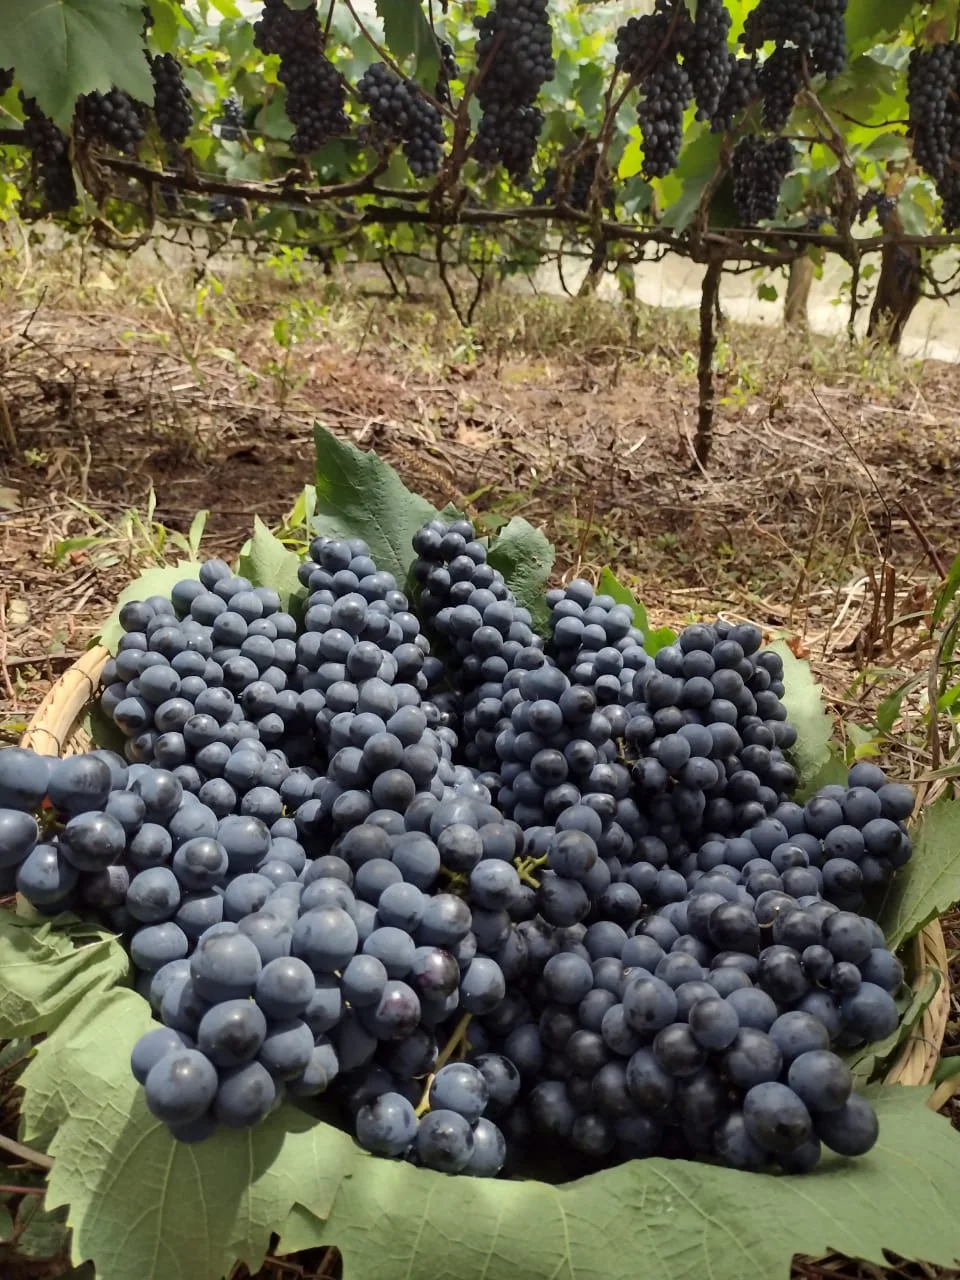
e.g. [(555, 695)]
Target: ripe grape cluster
[(706, 58), (112, 118), (779, 81), (315, 90), (575, 187), (400, 113), (515, 39), (494, 896), (740, 88), (50, 148), (231, 118), (171, 106), (758, 169), (448, 71), (933, 78), (817, 28)]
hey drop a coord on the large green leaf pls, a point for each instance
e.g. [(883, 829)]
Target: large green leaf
[(361, 496), (154, 582), (654, 639), (805, 710), (63, 48), (525, 557), (666, 1220), (140, 1204), (869, 21), (407, 33), (268, 563), (930, 882), (47, 968)]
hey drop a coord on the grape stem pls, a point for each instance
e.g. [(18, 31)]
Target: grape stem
[(458, 1037)]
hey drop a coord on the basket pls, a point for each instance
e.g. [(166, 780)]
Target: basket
[(55, 727)]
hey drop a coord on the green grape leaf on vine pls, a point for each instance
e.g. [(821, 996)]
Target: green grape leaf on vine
[(64, 48), (803, 699), (524, 557), (870, 21), (408, 34)]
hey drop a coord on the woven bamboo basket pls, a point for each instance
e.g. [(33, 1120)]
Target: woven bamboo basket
[(56, 728)]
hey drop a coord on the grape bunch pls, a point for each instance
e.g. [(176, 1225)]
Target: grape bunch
[(758, 169), (400, 113), (231, 118), (171, 106), (315, 89), (779, 81), (516, 37), (667, 92), (112, 118), (877, 202), (493, 896), (706, 58), (643, 42), (816, 28), (575, 188), (448, 71), (933, 79), (50, 149), (740, 88)]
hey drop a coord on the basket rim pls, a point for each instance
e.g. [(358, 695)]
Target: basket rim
[(55, 720)]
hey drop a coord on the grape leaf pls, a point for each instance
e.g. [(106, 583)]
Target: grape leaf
[(930, 882), (805, 710), (268, 563), (654, 640), (64, 48), (40, 1232), (46, 968), (868, 21), (154, 582), (524, 557), (361, 496), (6, 1223), (141, 1204), (656, 1219), (406, 33)]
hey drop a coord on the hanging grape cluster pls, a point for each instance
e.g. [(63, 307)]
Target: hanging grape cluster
[(400, 113), (574, 188), (171, 99), (810, 37), (933, 80), (740, 88), (448, 71), (315, 90), (758, 169), (112, 118), (50, 148), (516, 37)]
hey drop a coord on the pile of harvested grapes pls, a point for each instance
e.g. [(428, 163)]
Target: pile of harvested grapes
[(495, 895)]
